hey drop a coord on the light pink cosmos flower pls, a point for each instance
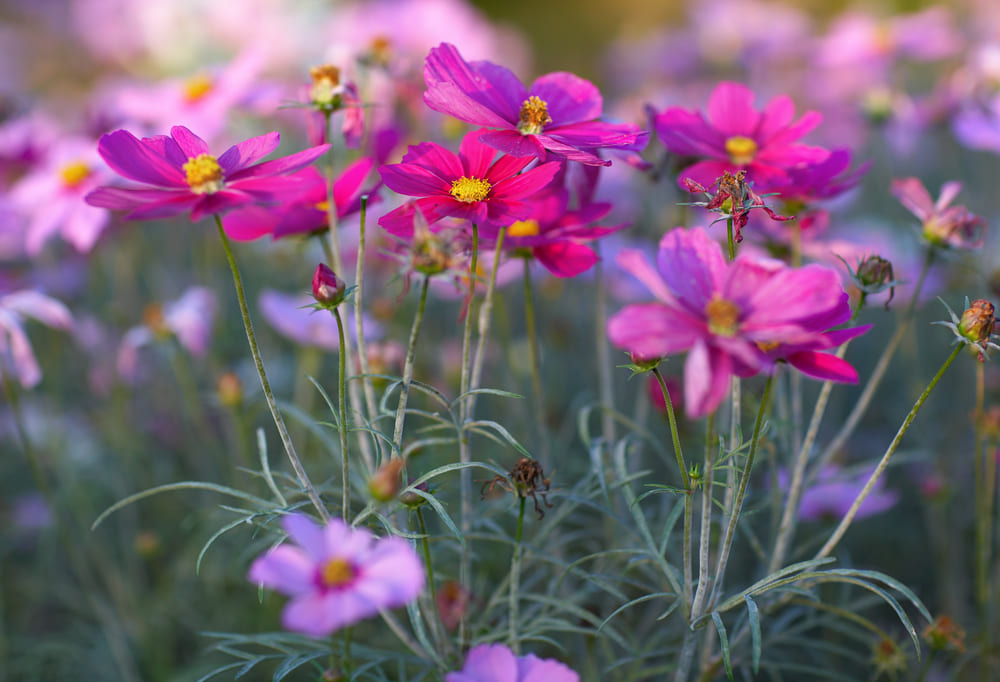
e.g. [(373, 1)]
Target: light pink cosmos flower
[(337, 575), (183, 176), (943, 224), (293, 316), (51, 196), (727, 315), (305, 211), (556, 115), (731, 136), (835, 490), (470, 185), (497, 663), (189, 319), (16, 355)]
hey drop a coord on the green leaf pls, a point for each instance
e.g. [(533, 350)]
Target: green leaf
[(720, 628), (753, 616), (183, 485)]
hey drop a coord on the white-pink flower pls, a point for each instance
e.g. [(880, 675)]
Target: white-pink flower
[(16, 355)]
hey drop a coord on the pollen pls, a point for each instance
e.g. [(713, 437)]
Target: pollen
[(197, 87), (470, 190), (534, 116), (74, 173), (723, 316), (337, 573), (767, 346), (203, 174), (741, 149), (524, 228)]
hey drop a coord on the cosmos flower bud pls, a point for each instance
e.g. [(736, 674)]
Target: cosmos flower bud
[(875, 271), (384, 484), (229, 390), (328, 289), (977, 321)]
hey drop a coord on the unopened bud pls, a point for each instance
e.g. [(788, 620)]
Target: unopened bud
[(328, 289), (412, 499), (944, 633), (977, 321), (875, 272), (453, 602), (384, 484), (229, 390)]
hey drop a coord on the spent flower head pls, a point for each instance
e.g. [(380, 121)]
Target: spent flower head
[(974, 328), (943, 225), (734, 198)]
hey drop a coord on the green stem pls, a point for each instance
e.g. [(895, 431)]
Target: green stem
[(884, 462), (485, 317), (985, 463), (404, 389), (272, 405), (345, 471), (705, 531), (359, 326), (425, 541), (515, 578), (606, 388), (727, 543), (730, 239), (536, 370)]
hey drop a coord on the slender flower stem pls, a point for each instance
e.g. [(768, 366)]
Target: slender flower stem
[(734, 516), (515, 578), (404, 389), (884, 462), (688, 492), (425, 542), (705, 531), (730, 239), (485, 317), (985, 464), (286, 440), (359, 326), (342, 404), (464, 457), (606, 388), (536, 370)]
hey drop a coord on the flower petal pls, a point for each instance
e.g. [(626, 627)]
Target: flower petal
[(569, 98), (139, 160), (241, 155)]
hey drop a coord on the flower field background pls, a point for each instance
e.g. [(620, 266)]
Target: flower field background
[(424, 340)]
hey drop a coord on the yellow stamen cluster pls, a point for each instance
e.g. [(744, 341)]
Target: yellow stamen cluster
[(197, 87), (470, 190), (524, 228), (768, 345), (325, 90), (534, 116), (337, 572), (741, 150), (723, 316), (74, 173), (204, 174)]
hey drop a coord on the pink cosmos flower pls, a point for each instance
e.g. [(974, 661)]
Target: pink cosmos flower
[(183, 176), (305, 211), (337, 575), (556, 115), (189, 319), (943, 224), (293, 316), (835, 490), (555, 236), (733, 136), (16, 355), (728, 315), (51, 196), (497, 663), (469, 185)]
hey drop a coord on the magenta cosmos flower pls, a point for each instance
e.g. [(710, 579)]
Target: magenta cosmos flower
[(728, 316), (943, 224), (556, 236), (304, 211), (183, 176), (556, 115), (497, 663), (337, 575), (733, 136), (469, 185)]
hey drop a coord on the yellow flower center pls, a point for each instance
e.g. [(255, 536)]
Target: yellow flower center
[(534, 116), (197, 87), (741, 149), (74, 173), (524, 228), (337, 572), (470, 190), (325, 89), (768, 345), (723, 316), (203, 174)]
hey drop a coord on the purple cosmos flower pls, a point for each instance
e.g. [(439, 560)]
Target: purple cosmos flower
[(305, 211), (51, 196), (556, 115), (943, 225), (835, 490), (727, 315), (16, 355), (189, 319), (555, 236), (469, 185), (733, 136), (183, 176), (337, 575), (497, 663), (294, 317)]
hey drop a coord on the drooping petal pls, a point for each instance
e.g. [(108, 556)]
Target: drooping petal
[(707, 372)]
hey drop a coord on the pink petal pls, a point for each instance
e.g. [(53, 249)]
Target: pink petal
[(514, 143), (692, 266), (247, 152), (413, 180), (565, 259), (526, 184), (307, 535), (635, 263), (730, 109), (282, 166), (823, 366), (707, 372), (476, 156), (190, 144), (949, 191), (285, 569), (487, 662), (138, 160), (776, 116), (569, 98), (653, 330), (436, 159), (249, 223), (348, 185), (480, 93)]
